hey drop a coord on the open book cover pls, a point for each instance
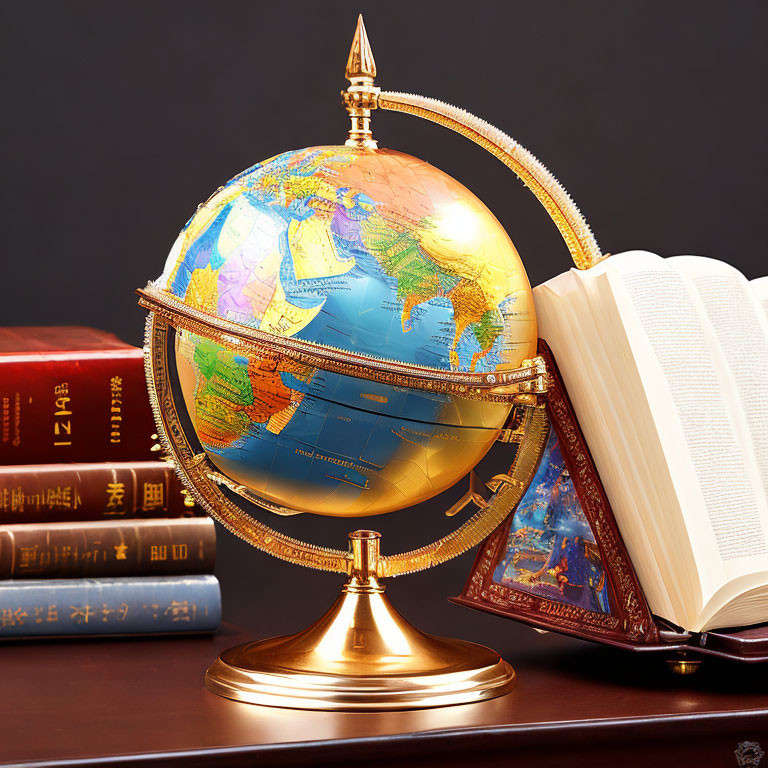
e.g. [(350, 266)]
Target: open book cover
[(558, 561), (665, 365)]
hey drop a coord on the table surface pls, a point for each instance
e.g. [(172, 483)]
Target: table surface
[(142, 701)]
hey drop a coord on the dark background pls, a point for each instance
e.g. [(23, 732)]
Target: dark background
[(119, 118)]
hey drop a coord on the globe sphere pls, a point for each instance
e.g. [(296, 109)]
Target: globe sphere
[(372, 252)]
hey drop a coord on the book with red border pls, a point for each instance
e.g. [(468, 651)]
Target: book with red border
[(583, 582), (72, 394)]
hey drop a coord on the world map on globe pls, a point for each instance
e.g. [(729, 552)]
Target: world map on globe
[(368, 251)]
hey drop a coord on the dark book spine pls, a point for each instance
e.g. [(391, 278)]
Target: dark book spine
[(52, 493), (137, 548), (89, 406), (146, 605)]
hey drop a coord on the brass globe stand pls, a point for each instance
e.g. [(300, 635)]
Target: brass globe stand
[(361, 654)]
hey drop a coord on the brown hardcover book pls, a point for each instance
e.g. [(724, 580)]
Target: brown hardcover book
[(558, 561), (71, 393), (136, 548), (54, 493)]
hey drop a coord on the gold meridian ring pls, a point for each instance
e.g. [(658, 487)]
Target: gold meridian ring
[(194, 470), (526, 166), (496, 386)]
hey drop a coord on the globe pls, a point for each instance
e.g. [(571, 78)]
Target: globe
[(343, 331), (369, 252)]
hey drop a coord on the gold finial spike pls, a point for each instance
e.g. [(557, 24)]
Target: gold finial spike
[(360, 62), (361, 97)]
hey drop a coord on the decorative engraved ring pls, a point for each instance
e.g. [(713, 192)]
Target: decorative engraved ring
[(498, 386)]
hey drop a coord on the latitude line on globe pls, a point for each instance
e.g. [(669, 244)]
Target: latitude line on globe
[(398, 418)]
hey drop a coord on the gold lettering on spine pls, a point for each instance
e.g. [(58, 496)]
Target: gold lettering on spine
[(115, 499), (115, 408), (62, 423), (53, 499), (153, 497)]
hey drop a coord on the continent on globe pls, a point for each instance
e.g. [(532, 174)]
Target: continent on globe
[(368, 251), (320, 442), (338, 245)]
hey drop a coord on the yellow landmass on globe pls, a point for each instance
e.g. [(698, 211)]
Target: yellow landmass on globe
[(279, 421), (469, 306), (287, 187), (203, 292), (283, 318), (460, 242), (313, 251)]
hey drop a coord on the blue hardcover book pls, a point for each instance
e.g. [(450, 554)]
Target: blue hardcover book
[(121, 606)]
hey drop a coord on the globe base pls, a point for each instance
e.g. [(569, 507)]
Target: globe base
[(360, 655)]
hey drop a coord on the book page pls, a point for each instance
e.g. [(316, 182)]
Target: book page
[(737, 332), (721, 485), (740, 329), (760, 289), (644, 326), (688, 469), (572, 334), (638, 448)]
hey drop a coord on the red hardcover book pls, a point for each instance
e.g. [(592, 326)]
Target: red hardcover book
[(54, 493), (70, 393), (120, 548)]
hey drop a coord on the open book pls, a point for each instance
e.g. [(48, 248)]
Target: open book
[(666, 364)]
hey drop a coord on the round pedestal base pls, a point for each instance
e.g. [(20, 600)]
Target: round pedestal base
[(252, 673), (360, 655)]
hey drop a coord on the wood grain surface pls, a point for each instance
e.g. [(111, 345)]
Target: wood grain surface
[(142, 702)]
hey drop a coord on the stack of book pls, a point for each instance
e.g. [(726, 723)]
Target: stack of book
[(97, 536)]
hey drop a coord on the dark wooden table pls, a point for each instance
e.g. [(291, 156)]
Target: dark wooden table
[(142, 702)]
